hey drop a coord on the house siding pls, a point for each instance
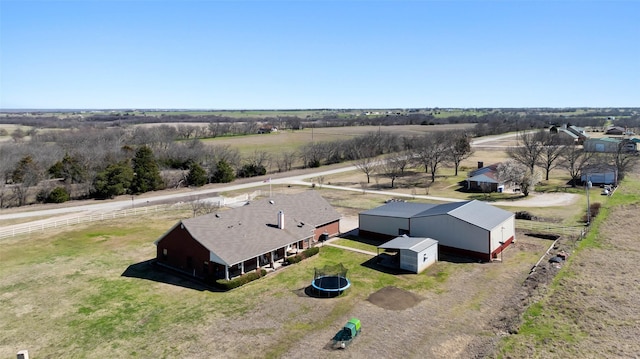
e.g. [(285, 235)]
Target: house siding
[(184, 253)]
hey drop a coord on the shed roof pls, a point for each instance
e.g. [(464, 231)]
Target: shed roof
[(242, 233), (415, 244)]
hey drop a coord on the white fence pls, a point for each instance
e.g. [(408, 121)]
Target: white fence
[(70, 221)]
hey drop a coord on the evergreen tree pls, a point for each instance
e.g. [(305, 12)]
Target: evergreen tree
[(223, 173), (197, 175), (115, 180), (251, 170), (146, 173), (69, 169), (58, 195)]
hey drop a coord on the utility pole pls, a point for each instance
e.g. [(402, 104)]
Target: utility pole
[(587, 187)]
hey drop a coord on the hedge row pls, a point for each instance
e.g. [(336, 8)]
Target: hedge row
[(309, 252), (239, 281)]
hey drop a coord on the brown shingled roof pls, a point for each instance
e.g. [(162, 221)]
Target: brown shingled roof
[(252, 230)]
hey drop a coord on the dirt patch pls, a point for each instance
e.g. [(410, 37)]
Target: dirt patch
[(393, 298)]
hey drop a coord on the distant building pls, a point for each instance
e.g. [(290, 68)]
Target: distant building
[(615, 130), (577, 134), (267, 129), (610, 145), (485, 179), (600, 174)]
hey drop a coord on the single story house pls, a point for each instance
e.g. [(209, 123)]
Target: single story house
[(412, 254), (577, 134), (484, 179), (615, 130), (231, 242), (471, 228)]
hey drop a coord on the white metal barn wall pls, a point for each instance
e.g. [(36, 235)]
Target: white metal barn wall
[(418, 261), (452, 232), (382, 224), (502, 233)]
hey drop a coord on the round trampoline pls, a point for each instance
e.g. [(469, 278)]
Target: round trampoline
[(330, 281)]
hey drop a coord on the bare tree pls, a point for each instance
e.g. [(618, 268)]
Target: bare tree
[(284, 161), (552, 147), (623, 158), (513, 171), (392, 167), (574, 159), (529, 149), (367, 165), (431, 150), (18, 135), (310, 154), (200, 207), (460, 149)]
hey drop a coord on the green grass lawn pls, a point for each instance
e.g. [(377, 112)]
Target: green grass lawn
[(72, 284)]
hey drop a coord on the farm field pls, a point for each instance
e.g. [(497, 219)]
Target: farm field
[(278, 142)]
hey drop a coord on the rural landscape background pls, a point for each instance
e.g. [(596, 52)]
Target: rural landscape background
[(111, 301), (120, 118)]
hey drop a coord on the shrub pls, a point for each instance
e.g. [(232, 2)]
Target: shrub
[(251, 170), (239, 281), (58, 195), (309, 252), (524, 215)]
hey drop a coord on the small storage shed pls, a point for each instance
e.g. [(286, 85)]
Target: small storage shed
[(414, 254)]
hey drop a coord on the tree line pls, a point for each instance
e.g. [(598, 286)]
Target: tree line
[(102, 162)]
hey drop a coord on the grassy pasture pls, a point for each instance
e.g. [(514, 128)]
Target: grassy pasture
[(591, 308), (72, 284), (278, 142)]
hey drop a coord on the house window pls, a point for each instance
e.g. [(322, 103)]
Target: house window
[(164, 254)]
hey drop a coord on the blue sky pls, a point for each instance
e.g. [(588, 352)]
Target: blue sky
[(318, 54)]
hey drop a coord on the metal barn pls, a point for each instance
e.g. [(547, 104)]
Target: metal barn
[(471, 228)]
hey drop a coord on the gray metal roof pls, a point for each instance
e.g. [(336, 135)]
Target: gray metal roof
[(483, 178), (415, 244), (246, 232), (477, 213), (399, 209)]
